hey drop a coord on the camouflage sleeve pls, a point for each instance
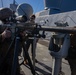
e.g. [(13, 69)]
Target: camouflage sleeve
[(0, 34), (0, 38)]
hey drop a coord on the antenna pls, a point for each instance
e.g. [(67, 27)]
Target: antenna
[(2, 2), (13, 1), (13, 6)]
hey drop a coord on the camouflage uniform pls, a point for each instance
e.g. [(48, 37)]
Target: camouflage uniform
[(71, 58), (6, 65)]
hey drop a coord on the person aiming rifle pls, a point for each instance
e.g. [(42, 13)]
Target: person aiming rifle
[(6, 61), (71, 58), (30, 41)]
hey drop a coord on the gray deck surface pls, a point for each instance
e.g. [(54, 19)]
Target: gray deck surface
[(44, 64)]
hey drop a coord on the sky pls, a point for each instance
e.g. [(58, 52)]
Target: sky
[(37, 5)]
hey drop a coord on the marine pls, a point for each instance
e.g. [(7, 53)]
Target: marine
[(71, 58)]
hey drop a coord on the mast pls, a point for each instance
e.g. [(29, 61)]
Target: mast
[(14, 2), (2, 2), (13, 6)]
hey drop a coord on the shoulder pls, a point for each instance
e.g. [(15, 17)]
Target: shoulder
[(0, 37)]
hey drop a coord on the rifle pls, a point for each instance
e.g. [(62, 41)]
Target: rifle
[(29, 26)]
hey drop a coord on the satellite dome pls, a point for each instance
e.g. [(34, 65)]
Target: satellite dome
[(24, 9)]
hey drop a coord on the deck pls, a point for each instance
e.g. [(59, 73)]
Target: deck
[(44, 61)]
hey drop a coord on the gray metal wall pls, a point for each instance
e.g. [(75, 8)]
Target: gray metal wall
[(57, 6)]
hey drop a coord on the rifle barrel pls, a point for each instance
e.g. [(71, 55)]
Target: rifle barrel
[(27, 26), (59, 29)]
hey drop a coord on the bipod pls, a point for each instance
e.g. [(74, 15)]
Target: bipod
[(16, 52)]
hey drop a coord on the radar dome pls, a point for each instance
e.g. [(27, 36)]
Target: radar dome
[(24, 9)]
